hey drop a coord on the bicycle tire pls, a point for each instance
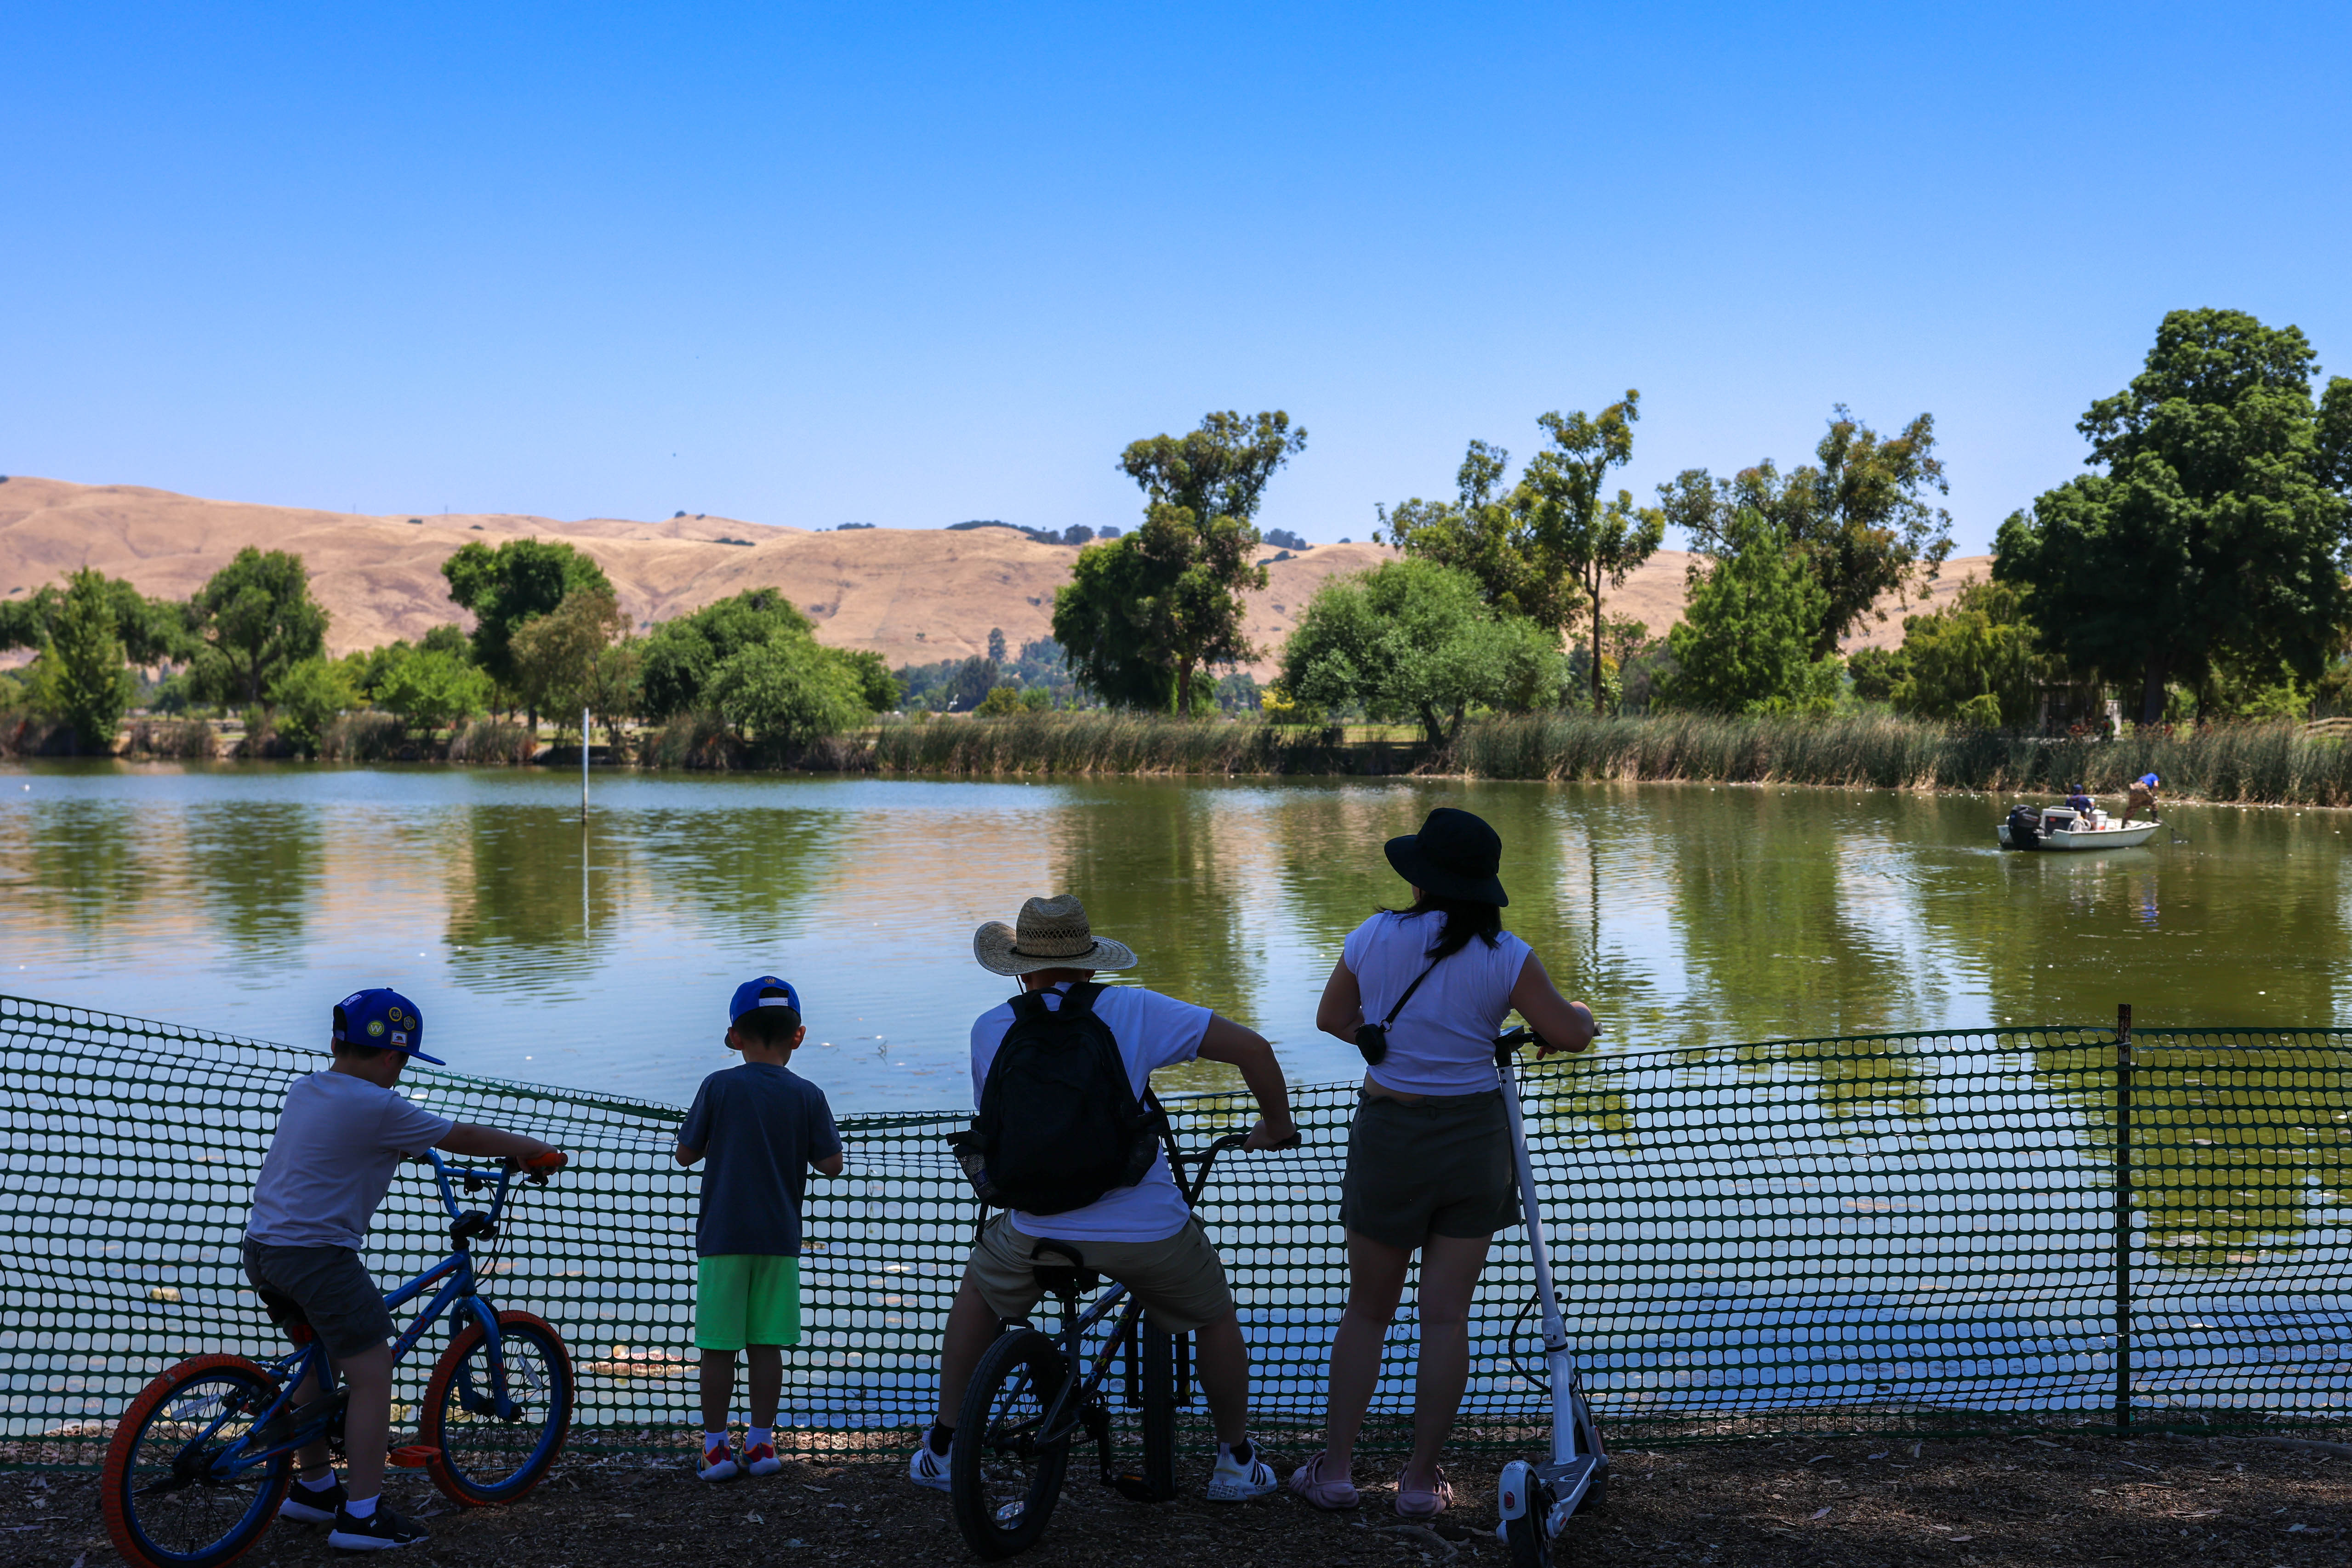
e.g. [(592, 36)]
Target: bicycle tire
[(479, 1459), (1003, 1486), (1158, 1410), (215, 1523)]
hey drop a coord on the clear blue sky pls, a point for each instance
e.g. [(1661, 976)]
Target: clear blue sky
[(915, 264)]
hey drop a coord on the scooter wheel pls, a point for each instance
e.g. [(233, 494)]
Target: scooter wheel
[(1523, 1536)]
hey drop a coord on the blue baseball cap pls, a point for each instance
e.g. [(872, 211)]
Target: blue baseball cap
[(2150, 780), (748, 998), (383, 1018)]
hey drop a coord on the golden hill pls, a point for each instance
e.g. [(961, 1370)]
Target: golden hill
[(913, 596)]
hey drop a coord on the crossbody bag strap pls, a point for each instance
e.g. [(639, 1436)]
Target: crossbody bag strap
[(1409, 991)]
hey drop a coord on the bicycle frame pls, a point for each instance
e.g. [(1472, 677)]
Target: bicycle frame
[(310, 1360)]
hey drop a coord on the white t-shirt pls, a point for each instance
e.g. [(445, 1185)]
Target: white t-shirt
[(1444, 1041), (339, 1140), (1152, 1031)]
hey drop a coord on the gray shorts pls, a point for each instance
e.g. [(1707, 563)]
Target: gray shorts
[(332, 1288), (1438, 1167)]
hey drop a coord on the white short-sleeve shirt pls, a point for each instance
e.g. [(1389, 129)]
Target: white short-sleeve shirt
[(1152, 1031), (1444, 1041)]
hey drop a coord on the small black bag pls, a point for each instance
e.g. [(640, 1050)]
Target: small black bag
[(1372, 1039)]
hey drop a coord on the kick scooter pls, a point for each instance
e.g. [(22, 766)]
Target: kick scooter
[(1536, 1500)]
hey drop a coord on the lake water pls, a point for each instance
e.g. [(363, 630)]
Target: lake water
[(248, 899)]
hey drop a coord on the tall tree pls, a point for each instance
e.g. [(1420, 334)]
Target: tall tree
[(1201, 489), (2220, 526), (507, 587), (563, 660), (1093, 620), (83, 679), (680, 655), (255, 619), (1600, 542), (1862, 522), (1490, 531), (1744, 643), (151, 630)]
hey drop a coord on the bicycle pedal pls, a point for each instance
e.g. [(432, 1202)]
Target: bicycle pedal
[(1134, 1489), (415, 1457)]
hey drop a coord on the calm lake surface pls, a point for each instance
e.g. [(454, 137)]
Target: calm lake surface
[(248, 899)]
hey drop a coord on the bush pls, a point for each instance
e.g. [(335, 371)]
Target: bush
[(187, 739), (999, 700), (699, 740), (365, 737), (429, 690), (308, 696), (785, 692), (494, 742)]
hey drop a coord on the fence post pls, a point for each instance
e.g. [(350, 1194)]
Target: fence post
[(2123, 1217)]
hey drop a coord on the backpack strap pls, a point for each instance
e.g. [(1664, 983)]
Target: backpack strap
[(1082, 996)]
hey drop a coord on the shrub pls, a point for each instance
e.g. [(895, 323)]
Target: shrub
[(364, 737), (495, 741), (308, 696), (188, 739), (695, 740)]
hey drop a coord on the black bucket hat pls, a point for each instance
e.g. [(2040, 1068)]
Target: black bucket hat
[(1455, 855)]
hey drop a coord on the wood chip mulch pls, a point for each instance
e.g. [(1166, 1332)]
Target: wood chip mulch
[(1798, 1504)]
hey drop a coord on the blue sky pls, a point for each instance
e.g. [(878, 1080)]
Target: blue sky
[(916, 264)]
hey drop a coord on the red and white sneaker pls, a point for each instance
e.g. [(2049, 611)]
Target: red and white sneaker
[(718, 1463), (760, 1459)]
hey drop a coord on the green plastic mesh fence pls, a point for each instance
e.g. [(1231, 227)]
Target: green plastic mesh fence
[(1912, 1233)]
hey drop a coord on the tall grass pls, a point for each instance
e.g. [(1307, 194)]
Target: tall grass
[(493, 740), (366, 736), (190, 740), (2268, 763)]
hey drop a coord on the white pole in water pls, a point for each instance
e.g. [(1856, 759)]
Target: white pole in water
[(584, 764)]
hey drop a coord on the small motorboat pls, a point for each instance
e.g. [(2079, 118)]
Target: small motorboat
[(2064, 827)]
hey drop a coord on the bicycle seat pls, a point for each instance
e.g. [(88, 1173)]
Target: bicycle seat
[(1061, 1278), (287, 1313)]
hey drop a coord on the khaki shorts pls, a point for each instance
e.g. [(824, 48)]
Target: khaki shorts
[(1179, 1278)]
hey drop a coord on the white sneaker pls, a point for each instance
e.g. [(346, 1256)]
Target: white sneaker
[(927, 1468), (718, 1465), (1233, 1481)]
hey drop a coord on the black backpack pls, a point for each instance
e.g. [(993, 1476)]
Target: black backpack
[(1059, 1124)]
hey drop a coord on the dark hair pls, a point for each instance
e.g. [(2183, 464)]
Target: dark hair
[(1464, 918), (770, 1025), (357, 1051)]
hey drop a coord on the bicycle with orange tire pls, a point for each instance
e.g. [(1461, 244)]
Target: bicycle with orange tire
[(203, 1458)]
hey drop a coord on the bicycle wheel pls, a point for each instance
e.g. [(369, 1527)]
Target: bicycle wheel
[(1003, 1480), (479, 1456), (1158, 1410), (164, 1505)]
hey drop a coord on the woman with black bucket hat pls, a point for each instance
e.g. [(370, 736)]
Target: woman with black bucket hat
[(1422, 992)]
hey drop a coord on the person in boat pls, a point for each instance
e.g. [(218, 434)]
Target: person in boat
[(2141, 798), (2080, 802)]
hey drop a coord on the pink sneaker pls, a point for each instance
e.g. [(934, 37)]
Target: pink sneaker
[(1328, 1493)]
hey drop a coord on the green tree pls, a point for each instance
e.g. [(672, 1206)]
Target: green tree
[(1877, 671), (1414, 640), (564, 660), (1107, 654), (876, 687), (785, 691), (83, 677), (1981, 646), (151, 630), (255, 619), (999, 700), (307, 696), (430, 689), (508, 586), (1745, 643), (1489, 532), (681, 655), (1194, 554), (1600, 542), (2219, 526), (1862, 521)]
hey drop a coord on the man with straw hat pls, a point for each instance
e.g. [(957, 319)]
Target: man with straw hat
[(1141, 1233)]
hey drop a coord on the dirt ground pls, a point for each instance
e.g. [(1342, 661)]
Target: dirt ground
[(1979, 1503)]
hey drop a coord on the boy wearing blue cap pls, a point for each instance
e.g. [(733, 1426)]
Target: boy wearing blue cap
[(342, 1133), (2140, 799), (764, 1128)]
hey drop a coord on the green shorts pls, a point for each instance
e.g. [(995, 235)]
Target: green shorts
[(746, 1299)]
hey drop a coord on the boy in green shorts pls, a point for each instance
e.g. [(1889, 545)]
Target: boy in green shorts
[(764, 1128)]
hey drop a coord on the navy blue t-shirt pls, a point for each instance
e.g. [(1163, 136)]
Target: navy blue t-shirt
[(758, 1126)]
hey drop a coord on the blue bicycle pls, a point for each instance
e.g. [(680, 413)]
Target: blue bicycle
[(203, 1456)]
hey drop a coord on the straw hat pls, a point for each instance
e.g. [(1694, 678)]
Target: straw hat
[(1053, 934)]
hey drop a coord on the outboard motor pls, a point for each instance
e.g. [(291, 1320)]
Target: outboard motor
[(2024, 828)]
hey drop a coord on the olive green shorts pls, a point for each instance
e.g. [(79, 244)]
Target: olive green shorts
[(1438, 1167), (1180, 1278), (746, 1299)]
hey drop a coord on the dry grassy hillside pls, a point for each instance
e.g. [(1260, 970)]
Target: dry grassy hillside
[(912, 596)]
